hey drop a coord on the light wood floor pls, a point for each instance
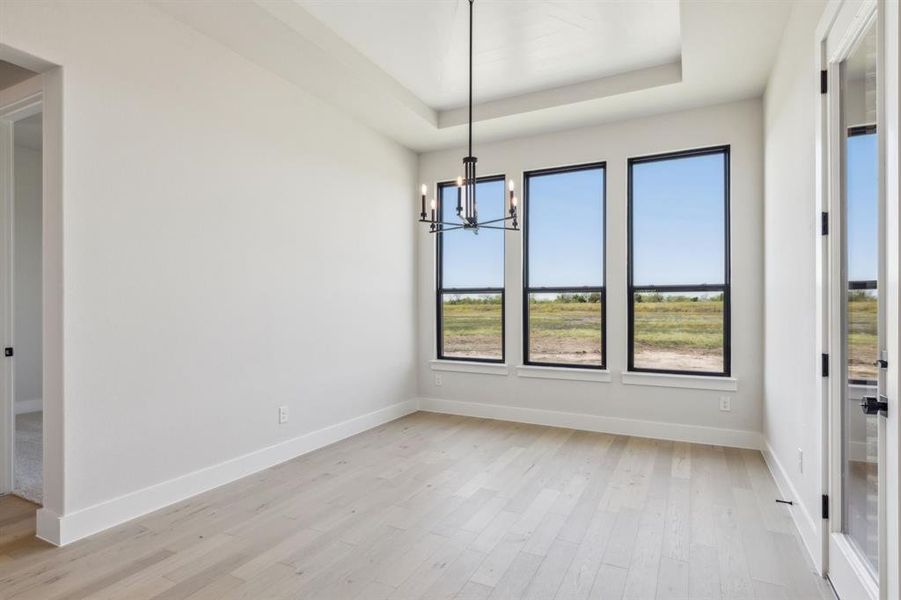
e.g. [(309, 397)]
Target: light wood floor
[(435, 506)]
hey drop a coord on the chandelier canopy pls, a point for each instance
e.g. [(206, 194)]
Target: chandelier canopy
[(467, 209)]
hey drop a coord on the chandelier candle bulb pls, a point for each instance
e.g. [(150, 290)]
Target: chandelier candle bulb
[(422, 208)]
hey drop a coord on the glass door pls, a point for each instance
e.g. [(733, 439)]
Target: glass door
[(858, 403)]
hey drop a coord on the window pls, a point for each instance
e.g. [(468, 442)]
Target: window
[(862, 238), (679, 262), (470, 301), (564, 302)]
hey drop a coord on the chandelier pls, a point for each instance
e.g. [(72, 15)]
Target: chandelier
[(467, 209)]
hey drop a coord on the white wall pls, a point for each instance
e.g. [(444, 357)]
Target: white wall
[(27, 177), (791, 418), (682, 412), (219, 239)]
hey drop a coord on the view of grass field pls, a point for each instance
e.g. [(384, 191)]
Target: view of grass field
[(862, 334), (565, 329), (672, 331), (679, 331), (472, 326)]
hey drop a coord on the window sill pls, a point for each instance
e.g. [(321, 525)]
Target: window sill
[(695, 382), (463, 366), (572, 374)]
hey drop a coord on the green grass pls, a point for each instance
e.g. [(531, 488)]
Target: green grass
[(679, 325), (473, 329), (570, 331), (862, 336), (670, 333)]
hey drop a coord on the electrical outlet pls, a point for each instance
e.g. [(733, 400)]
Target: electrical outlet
[(800, 460), (437, 379), (282, 414), (725, 403)]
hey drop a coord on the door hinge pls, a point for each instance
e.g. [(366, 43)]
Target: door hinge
[(824, 223), (8, 351), (824, 81), (825, 365), (825, 510)]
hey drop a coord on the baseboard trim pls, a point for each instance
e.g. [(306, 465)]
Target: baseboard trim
[(29, 406), (65, 529), (801, 517), (677, 432)]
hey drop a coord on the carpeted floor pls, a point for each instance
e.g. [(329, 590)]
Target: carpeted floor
[(29, 483)]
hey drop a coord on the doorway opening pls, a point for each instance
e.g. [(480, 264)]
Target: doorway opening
[(21, 254), (27, 376)]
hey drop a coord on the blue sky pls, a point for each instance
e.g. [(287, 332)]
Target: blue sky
[(474, 260), (566, 229), (678, 224), (678, 228), (678, 221), (862, 181)]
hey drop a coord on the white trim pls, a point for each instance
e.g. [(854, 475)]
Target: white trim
[(850, 576), (678, 432), (29, 406), (801, 517), (891, 85), (571, 374), (695, 382), (65, 529), (462, 366)]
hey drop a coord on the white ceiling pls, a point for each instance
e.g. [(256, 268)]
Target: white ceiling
[(541, 65), (518, 47)]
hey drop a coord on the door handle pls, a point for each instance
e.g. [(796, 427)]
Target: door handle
[(872, 405)]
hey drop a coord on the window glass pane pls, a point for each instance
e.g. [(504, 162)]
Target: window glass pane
[(862, 220), (863, 206), (863, 341), (566, 229), (678, 221), (565, 328), (473, 258), (472, 326), (679, 331)]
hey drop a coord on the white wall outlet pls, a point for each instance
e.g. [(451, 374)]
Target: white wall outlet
[(437, 379), (800, 460), (282, 414), (725, 403)]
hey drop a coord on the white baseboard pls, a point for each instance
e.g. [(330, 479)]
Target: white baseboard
[(29, 406), (801, 517), (735, 438), (65, 529)]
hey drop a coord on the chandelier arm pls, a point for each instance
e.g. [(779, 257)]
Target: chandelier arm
[(446, 224), (495, 221)]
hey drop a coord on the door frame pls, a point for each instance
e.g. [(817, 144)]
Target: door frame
[(9, 114), (851, 17)]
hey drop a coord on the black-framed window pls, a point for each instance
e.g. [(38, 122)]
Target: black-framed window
[(861, 245), (470, 298), (678, 265), (564, 296)]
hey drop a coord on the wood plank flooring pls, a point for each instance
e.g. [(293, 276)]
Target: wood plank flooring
[(437, 506)]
